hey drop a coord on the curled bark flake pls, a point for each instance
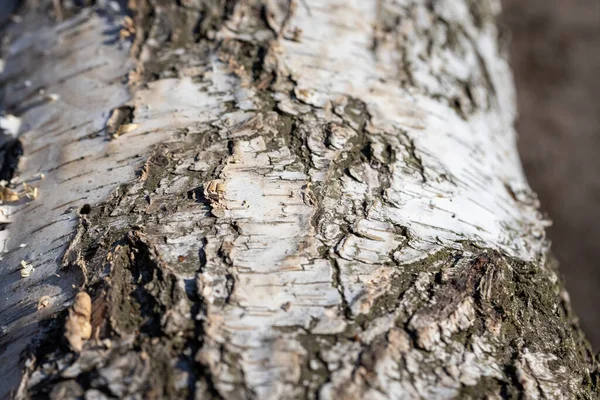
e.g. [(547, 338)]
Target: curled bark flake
[(77, 325)]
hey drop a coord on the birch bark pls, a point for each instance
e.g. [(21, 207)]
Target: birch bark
[(277, 199)]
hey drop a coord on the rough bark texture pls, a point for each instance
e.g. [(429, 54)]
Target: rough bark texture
[(277, 199)]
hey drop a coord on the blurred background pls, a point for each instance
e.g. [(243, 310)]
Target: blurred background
[(555, 55)]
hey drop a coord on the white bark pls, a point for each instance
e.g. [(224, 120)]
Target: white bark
[(342, 215)]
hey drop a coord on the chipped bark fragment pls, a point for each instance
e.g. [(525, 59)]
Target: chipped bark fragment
[(128, 28), (119, 121), (31, 192), (77, 325), (214, 191), (123, 129), (26, 269), (43, 302), (8, 195)]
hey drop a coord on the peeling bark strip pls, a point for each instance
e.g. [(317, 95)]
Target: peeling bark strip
[(278, 199)]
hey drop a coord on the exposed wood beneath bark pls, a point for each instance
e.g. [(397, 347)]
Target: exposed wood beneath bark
[(284, 200)]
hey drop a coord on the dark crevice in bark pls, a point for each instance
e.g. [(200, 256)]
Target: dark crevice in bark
[(337, 282), (11, 150)]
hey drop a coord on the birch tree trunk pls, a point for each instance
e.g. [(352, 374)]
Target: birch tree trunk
[(274, 199)]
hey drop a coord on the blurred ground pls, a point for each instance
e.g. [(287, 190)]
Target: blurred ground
[(555, 53)]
